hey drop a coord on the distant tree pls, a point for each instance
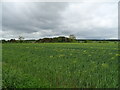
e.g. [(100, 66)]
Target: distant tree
[(3, 41), (87, 41), (12, 40), (61, 39), (72, 36), (21, 38), (47, 40)]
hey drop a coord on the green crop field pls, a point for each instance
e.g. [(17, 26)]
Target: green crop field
[(60, 65)]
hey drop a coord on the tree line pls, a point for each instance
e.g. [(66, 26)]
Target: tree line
[(71, 38), (60, 39)]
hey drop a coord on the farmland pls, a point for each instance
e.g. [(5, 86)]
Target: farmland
[(60, 65)]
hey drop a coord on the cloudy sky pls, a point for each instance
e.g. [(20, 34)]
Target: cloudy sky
[(95, 20)]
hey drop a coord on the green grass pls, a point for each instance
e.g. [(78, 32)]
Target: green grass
[(60, 65)]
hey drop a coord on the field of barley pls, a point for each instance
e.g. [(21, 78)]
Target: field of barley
[(60, 65)]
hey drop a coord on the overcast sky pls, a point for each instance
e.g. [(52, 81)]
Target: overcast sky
[(38, 20)]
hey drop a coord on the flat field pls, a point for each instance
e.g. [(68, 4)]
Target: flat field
[(60, 65)]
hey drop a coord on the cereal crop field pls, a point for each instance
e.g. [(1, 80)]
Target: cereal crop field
[(60, 65)]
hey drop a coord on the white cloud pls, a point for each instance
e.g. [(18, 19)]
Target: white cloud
[(92, 17)]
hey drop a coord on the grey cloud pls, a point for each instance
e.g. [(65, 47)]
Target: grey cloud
[(38, 20), (32, 17)]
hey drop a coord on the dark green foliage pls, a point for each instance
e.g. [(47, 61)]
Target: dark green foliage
[(56, 39)]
